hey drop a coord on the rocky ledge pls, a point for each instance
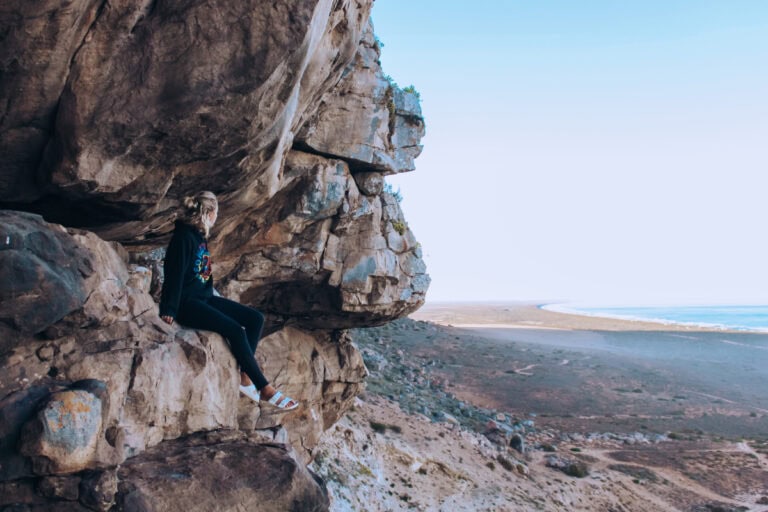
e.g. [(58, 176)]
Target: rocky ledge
[(111, 113)]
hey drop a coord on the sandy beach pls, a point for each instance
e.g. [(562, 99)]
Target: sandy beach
[(532, 315)]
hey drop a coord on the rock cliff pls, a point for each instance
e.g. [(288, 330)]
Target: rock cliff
[(111, 113)]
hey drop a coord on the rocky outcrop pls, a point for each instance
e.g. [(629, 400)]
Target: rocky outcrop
[(384, 138), (109, 380), (111, 113), (356, 248)]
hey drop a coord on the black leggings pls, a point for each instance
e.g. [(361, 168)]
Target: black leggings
[(239, 324)]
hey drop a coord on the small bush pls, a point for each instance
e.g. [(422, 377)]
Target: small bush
[(505, 463), (389, 189), (378, 427), (399, 227), (412, 90), (577, 469), (383, 427)]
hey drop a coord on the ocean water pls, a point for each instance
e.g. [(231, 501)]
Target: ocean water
[(742, 318)]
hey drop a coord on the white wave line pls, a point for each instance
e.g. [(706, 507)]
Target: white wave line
[(729, 342)]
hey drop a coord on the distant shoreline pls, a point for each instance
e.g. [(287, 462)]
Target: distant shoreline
[(533, 315)]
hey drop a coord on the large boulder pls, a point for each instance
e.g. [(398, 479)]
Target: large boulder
[(223, 472), (62, 437), (45, 270), (142, 103)]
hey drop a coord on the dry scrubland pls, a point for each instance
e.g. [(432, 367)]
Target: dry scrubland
[(554, 416)]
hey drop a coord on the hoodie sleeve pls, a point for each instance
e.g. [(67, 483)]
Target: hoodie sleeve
[(177, 260)]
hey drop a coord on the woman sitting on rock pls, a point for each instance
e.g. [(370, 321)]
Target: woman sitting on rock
[(188, 296)]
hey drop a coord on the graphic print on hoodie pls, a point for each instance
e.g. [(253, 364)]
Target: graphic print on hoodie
[(202, 264)]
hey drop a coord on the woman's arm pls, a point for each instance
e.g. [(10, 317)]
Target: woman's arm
[(177, 259)]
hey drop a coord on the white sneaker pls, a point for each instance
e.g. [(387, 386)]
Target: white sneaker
[(251, 392)]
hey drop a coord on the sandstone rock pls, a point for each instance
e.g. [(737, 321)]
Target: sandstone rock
[(363, 270), (60, 487), (366, 119), (110, 113), (369, 183), (201, 474), (496, 436), (23, 495), (39, 41), (150, 103), (570, 467), (48, 269), (323, 373), (98, 490), (15, 410), (62, 437), (160, 382)]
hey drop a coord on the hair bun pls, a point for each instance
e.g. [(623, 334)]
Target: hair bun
[(190, 203)]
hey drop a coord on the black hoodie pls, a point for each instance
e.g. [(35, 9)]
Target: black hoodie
[(187, 269)]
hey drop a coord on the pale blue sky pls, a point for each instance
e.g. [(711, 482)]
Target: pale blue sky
[(601, 151)]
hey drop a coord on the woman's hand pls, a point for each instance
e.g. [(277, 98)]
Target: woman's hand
[(167, 319)]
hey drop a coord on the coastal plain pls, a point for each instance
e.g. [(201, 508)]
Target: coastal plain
[(584, 371), (512, 407)]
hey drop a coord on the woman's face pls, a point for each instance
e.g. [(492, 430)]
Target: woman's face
[(212, 216)]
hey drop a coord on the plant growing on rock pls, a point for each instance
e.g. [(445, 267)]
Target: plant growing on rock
[(411, 89), (399, 226), (389, 189)]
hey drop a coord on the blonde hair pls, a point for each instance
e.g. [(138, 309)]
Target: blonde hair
[(197, 208)]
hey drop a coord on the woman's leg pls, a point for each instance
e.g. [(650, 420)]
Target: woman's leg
[(251, 319), (198, 314)]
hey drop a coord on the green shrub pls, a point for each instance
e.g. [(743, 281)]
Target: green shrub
[(412, 90), (389, 189), (399, 227), (383, 427), (378, 427), (505, 462), (577, 469)]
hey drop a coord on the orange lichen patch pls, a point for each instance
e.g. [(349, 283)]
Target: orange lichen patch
[(70, 404), (73, 403)]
